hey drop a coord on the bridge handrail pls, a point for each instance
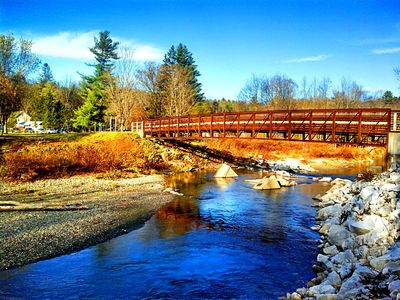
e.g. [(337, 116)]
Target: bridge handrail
[(368, 126), (281, 111)]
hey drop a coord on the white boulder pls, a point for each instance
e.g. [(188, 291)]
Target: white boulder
[(225, 171), (268, 183)]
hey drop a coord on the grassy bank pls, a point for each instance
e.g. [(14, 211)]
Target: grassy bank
[(116, 155), (275, 150), (27, 159)]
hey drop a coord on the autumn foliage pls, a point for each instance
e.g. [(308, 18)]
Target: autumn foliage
[(284, 149), (92, 154)]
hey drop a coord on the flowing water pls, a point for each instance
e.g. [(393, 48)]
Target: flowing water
[(221, 240)]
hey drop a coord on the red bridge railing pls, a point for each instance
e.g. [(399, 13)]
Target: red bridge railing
[(341, 126)]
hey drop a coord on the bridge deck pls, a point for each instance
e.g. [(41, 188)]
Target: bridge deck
[(350, 126)]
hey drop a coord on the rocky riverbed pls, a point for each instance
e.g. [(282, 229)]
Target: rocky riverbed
[(359, 227), (113, 208)]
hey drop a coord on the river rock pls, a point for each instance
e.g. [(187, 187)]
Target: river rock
[(334, 279), (295, 296), (345, 270), (337, 234), (325, 297), (365, 271), (362, 251), (330, 250), (378, 263), (368, 193), (268, 183), (283, 174), (323, 179), (323, 288), (351, 287), (291, 165), (359, 222), (328, 212), (369, 222), (285, 183), (394, 286), (343, 257), (225, 171)]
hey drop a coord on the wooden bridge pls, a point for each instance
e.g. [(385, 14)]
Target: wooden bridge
[(340, 126)]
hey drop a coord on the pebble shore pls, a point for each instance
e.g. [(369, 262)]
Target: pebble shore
[(114, 207), (360, 253)]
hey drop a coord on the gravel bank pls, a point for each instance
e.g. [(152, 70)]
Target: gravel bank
[(115, 206)]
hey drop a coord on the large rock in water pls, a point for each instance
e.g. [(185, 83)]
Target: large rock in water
[(225, 171), (268, 183)]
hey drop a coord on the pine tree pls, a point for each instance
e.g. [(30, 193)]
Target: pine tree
[(183, 57), (104, 50), (93, 87), (46, 75), (52, 108)]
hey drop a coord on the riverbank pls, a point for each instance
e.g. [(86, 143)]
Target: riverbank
[(39, 172), (359, 227), (114, 207)]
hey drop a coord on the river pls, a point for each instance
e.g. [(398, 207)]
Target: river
[(223, 239)]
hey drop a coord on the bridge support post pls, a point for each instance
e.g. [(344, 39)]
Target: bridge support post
[(394, 143)]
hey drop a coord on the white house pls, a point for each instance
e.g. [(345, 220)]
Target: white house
[(24, 121), (22, 117)]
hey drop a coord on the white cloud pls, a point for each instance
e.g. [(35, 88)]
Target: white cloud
[(76, 45), (381, 51), (142, 52), (65, 44), (321, 57)]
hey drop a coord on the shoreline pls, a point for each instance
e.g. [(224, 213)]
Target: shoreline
[(359, 255), (114, 208)]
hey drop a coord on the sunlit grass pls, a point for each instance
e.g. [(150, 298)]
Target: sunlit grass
[(284, 149), (97, 153)]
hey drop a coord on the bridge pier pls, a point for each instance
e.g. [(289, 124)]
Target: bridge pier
[(394, 143)]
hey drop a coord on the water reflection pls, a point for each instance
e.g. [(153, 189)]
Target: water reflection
[(222, 240), (178, 217)]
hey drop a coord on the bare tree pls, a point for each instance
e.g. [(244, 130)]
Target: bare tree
[(349, 94), (253, 90), (280, 91), (304, 88), (179, 93), (148, 80), (125, 101), (324, 87)]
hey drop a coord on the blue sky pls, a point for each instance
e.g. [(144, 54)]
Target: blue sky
[(230, 40)]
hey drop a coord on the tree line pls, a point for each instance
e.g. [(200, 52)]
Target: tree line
[(120, 91)]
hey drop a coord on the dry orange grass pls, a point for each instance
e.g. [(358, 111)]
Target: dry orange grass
[(96, 153), (284, 149)]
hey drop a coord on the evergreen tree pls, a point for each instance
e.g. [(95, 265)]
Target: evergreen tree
[(46, 75), (93, 87), (388, 97), (90, 112), (183, 57), (105, 51), (51, 107)]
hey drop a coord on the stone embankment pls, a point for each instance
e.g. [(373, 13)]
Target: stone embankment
[(359, 226)]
